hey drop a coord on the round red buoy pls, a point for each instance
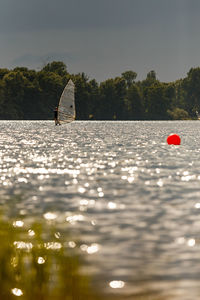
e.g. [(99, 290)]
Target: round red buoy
[(174, 139)]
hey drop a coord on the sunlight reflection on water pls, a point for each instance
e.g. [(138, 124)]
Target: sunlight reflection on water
[(132, 200)]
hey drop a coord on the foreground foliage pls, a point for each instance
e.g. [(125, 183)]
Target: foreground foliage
[(36, 264)]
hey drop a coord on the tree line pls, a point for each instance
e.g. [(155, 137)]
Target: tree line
[(32, 95)]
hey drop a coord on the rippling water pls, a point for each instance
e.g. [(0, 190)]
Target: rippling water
[(132, 200)]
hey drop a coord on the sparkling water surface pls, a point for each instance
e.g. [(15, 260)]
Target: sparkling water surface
[(131, 200)]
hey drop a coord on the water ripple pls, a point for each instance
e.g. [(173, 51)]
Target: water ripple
[(132, 199)]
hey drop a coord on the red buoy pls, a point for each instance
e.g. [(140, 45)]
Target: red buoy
[(173, 139)]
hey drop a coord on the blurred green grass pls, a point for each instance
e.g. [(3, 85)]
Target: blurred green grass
[(35, 264)]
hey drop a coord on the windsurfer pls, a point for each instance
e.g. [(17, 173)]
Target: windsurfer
[(56, 116)]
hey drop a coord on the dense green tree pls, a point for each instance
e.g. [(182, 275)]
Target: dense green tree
[(94, 100), (180, 95), (29, 105), (191, 86), (157, 103), (14, 85), (119, 106), (82, 96), (2, 99), (3, 72), (151, 75), (150, 79), (107, 99), (50, 89), (30, 94), (112, 99), (129, 77), (57, 67), (178, 114), (135, 104)]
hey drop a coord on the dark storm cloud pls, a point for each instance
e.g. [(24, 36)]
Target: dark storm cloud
[(102, 37), (26, 15)]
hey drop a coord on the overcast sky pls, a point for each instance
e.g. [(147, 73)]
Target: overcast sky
[(102, 38)]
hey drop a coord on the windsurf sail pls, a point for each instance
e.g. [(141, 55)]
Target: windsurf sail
[(66, 107)]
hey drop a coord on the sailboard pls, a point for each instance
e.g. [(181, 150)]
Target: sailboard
[(66, 106)]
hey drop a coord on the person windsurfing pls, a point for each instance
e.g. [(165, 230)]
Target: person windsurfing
[(56, 116)]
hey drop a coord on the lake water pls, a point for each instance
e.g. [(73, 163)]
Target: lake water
[(131, 200)]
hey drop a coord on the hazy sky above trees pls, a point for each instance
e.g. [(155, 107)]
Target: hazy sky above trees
[(102, 38)]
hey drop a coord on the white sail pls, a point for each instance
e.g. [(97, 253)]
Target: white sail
[(66, 107)]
